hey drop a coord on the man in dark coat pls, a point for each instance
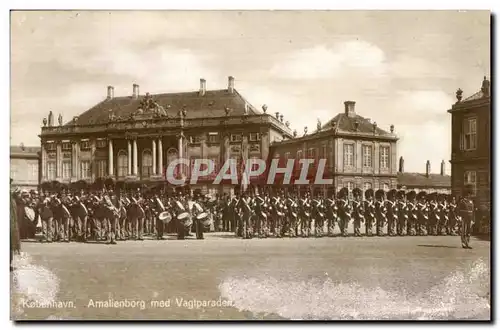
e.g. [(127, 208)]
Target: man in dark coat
[(15, 241)]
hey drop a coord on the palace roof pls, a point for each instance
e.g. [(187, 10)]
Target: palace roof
[(422, 180), (213, 103), (348, 123)]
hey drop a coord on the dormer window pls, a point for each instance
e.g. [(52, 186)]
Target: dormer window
[(254, 137)]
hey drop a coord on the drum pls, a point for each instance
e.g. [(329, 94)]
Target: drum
[(30, 213), (207, 221), (165, 217), (183, 216)]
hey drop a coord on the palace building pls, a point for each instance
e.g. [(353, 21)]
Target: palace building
[(133, 138), (471, 144), (358, 153)]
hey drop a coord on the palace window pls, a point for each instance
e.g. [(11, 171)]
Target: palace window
[(254, 136), (66, 169), (349, 155), (236, 137), (101, 168), (384, 157), (367, 185), (85, 145), (101, 143), (470, 178), (213, 137), (147, 163), (367, 156), (51, 170), (50, 147), (195, 139), (66, 146), (85, 169), (469, 136), (122, 162), (34, 171)]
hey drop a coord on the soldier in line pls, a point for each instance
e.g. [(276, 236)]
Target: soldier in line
[(380, 212), (331, 213), (412, 213), (357, 211), (443, 214), (344, 210), (467, 213), (422, 214), (402, 216), (392, 212), (452, 216), (305, 215), (318, 216), (369, 208)]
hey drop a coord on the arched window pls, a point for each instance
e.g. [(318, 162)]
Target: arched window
[(122, 163), (147, 163)]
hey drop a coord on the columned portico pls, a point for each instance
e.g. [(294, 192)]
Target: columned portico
[(110, 157), (154, 156), (135, 166), (129, 160), (160, 157)]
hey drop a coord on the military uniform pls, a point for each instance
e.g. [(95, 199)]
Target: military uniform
[(412, 213), (467, 213), (380, 212), (369, 208), (357, 211), (402, 216), (344, 211), (392, 212), (422, 214), (305, 214), (452, 216)]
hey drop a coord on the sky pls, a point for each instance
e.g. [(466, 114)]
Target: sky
[(400, 67)]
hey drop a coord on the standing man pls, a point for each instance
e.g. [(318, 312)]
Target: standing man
[(357, 211), (344, 210), (466, 208), (369, 209), (15, 241), (380, 212)]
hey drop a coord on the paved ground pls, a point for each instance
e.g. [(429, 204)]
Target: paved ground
[(324, 278)]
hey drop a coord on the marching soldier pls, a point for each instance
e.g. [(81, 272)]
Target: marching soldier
[(46, 217), (452, 216), (331, 213), (357, 211), (199, 217), (467, 213), (392, 212), (380, 212), (292, 216), (433, 214), (260, 216), (443, 214), (422, 214), (245, 206), (402, 216), (318, 216), (344, 210), (412, 213), (305, 214), (369, 208)]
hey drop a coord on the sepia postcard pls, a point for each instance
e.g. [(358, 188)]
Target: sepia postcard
[(250, 165)]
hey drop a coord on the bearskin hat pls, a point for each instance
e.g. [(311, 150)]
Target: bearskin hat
[(411, 194), (357, 192), (379, 194), (421, 194), (343, 192), (369, 193)]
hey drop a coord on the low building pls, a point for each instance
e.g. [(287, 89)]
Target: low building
[(25, 167), (427, 181), (358, 153)]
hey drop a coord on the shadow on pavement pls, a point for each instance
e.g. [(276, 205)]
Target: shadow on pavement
[(483, 237), (438, 246)]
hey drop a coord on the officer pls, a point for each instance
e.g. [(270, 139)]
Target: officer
[(466, 208)]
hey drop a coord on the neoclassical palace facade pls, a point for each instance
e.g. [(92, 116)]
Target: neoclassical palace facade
[(134, 138)]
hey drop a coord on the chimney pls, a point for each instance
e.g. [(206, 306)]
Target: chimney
[(401, 164), (136, 91), (230, 84), (442, 167), (349, 108), (111, 92), (427, 168), (203, 86)]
